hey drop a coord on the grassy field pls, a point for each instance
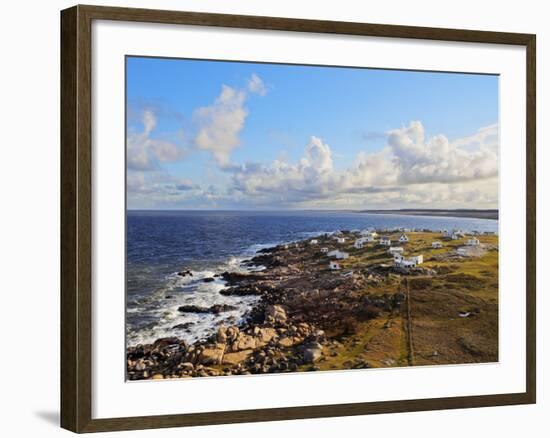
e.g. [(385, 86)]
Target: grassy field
[(454, 313)]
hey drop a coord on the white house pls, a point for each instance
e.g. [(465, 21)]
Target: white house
[(385, 241), (437, 244), (358, 244), (324, 250), (334, 266), (462, 251), (340, 255), (395, 250), (313, 242), (472, 242), (403, 238), (369, 233), (341, 239), (407, 262)]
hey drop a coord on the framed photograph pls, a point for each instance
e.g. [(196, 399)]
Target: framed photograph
[(270, 218)]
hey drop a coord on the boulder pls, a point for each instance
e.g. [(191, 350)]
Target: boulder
[(212, 355), (285, 342), (236, 358), (244, 342), (187, 366), (276, 313), (312, 353), (221, 336), (232, 333), (216, 308), (266, 334)]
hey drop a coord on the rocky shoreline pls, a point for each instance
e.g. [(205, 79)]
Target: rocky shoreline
[(300, 302), (304, 314)]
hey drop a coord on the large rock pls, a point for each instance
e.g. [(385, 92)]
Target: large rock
[(266, 334), (232, 333), (237, 357), (212, 355), (221, 336), (244, 342), (216, 308), (285, 342), (275, 313), (312, 353)]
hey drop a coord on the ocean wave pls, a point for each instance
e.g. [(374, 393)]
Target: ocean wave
[(162, 305)]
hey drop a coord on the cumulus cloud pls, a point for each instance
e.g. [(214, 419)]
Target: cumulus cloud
[(409, 169), (421, 160), (309, 175), (145, 152), (221, 123)]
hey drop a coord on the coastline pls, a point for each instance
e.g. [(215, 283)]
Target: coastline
[(472, 214), (310, 318)]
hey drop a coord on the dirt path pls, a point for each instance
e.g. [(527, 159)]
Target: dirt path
[(410, 343)]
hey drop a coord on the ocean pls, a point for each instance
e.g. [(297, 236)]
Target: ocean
[(159, 244)]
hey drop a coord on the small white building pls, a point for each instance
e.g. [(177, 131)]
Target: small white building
[(313, 242), (437, 244), (324, 250), (369, 233), (403, 238), (385, 241), (395, 250), (340, 255), (341, 239), (358, 244), (407, 262), (334, 266), (462, 251), (472, 242)]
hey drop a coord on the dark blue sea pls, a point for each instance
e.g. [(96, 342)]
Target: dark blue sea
[(161, 243)]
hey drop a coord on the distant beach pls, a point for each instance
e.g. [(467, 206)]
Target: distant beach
[(475, 214)]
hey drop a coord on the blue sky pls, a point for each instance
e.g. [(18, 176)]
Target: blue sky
[(248, 135)]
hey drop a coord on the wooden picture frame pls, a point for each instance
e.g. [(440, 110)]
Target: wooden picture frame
[(76, 217)]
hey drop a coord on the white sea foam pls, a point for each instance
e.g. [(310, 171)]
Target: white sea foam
[(162, 306)]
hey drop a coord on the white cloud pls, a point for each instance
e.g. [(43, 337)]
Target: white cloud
[(420, 160), (144, 152), (409, 169), (256, 85), (221, 123)]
